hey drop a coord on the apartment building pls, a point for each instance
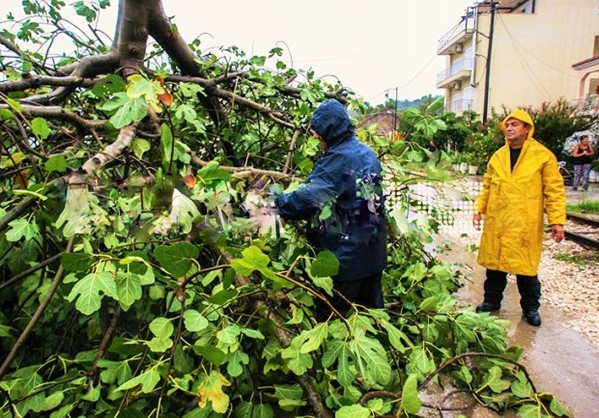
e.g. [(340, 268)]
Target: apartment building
[(521, 53)]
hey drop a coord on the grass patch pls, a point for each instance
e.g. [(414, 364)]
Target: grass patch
[(580, 258), (587, 206)]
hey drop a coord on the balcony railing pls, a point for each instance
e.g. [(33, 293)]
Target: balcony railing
[(458, 106), (458, 33), (458, 70)]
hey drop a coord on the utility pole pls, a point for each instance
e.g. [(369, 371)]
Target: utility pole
[(395, 109), (395, 112), (488, 63)]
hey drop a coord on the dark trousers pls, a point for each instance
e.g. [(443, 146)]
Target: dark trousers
[(367, 292), (528, 286)]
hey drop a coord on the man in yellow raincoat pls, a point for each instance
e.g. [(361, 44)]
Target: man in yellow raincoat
[(521, 184)]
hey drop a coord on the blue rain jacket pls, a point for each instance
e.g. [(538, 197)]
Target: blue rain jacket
[(342, 198)]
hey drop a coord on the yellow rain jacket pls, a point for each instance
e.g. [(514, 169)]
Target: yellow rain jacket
[(514, 202)]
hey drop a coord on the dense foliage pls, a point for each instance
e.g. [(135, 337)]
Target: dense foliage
[(134, 278), (470, 141)]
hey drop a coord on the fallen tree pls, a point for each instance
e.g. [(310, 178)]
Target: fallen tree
[(135, 284)]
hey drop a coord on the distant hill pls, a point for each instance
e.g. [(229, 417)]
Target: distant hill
[(401, 104)]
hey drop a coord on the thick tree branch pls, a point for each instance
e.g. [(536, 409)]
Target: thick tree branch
[(87, 67), (14, 48), (126, 135), (30, 81), (174, 45), (131, 35), (57, 112)]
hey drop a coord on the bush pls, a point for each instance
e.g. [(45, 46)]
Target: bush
[(459, 128), (480, 146)]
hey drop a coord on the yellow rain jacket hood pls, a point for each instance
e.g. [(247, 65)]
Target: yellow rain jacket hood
[(522, 116), (514, 203)]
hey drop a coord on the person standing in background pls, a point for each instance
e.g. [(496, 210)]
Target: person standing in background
[(583, 162)]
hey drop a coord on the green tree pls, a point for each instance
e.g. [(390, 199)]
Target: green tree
[(458, 129), (420, 125)]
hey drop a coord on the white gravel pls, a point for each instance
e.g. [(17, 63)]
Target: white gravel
[(572, 287)]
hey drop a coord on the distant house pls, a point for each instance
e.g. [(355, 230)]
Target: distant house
[(520, 53), (384, 121), (588, 86)]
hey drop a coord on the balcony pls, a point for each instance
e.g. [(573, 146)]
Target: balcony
[(459, 106), (452, 41), (588, 104), (460, 69)]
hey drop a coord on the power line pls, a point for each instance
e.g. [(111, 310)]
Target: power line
[(533, 55), (409, 81), (530, 74), (419, 72)]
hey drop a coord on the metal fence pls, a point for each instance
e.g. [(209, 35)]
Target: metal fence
[(451, 203)]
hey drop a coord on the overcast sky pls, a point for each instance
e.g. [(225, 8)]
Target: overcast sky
[(370, 46)]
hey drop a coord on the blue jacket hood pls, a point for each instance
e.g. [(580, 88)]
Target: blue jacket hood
[(331, 122)]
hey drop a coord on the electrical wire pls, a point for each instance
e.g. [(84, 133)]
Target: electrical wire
[(419, 72), (409, 81), (523, 61), (534, 56)]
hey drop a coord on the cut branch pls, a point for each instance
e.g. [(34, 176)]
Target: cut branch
[(29, 81), (244, 172), (108, 154)]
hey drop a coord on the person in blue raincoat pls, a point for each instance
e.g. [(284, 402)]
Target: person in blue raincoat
[(343, 200)]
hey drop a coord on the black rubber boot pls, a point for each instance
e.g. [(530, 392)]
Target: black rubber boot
[(487, 307), (530, 296), (533, 318), (494, 286)]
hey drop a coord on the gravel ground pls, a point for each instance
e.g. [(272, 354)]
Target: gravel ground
[(570, 278)]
